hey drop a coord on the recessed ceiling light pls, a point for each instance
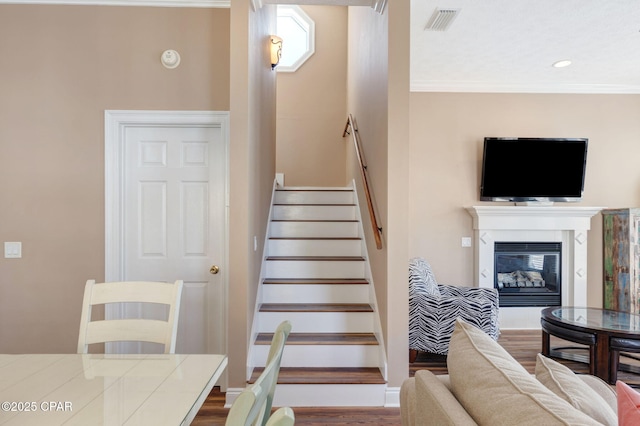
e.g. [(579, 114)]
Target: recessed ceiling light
[(561, 64)]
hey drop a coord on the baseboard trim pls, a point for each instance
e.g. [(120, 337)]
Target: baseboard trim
[(231, 395), (392, 397)]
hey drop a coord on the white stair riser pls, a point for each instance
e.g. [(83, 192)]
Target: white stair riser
[(314, 269), (314, 229), (322, 355), (329, 395), (318, 214), (296, 212), (315, 293), (315, 247), (318, 322), (314, 197)]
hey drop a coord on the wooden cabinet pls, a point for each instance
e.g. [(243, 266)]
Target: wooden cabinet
[(621, 243)]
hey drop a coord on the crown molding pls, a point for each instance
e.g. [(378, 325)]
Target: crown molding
[(493, 87), (377, 5), (148, 3)]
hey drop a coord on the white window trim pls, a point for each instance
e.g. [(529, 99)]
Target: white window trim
[(296, 13)]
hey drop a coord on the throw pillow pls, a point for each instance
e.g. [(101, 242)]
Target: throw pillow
[(564, 383), (421, 278), (496, 390), (628, 404)]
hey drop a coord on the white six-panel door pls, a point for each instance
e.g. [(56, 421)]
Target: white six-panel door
[(173, 219)]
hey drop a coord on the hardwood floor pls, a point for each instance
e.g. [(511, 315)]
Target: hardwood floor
[(523, 345)]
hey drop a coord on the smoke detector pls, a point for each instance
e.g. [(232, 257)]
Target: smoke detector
[(441, 19)]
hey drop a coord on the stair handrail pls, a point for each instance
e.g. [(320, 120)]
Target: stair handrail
[(377, 229)]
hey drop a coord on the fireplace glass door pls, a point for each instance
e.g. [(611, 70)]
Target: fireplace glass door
[(528, 274)]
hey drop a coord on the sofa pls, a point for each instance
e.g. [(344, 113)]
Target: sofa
[(485, 385)]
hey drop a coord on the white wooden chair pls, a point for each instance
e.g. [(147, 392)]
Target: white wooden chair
[(282, 417), (130, 330), (253, 406)]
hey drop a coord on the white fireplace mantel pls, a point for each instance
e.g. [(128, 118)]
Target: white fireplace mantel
[(567, 224), (536, 217)]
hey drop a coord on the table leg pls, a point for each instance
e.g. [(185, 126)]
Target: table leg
[(614, 363), (599, 358), (592, 360), (546, 343)]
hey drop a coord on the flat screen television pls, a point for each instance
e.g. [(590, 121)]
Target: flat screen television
[(533, 169)]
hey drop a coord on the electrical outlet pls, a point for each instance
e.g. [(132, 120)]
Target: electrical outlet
[(466, 241), (12, 250)]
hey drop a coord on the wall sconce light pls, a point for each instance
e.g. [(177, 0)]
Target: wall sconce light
[(276, 50)]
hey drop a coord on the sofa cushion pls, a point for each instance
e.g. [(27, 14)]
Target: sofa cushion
[(408, 401), (602, 388), (628, 404), (496, 390), (564, 383), (437, 405)]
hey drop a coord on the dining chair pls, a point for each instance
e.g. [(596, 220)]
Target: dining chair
[(130, 329), (282, 417), (253, 406)]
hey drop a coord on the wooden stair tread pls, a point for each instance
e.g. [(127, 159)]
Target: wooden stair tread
[(306, 281), (325, 376), (315, 307), (315, 204), (315, 238), (318, 258), (322, 339), (316, 220), (336, 189)]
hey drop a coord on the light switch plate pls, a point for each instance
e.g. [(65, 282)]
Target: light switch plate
[(12, 250), (466, 241)]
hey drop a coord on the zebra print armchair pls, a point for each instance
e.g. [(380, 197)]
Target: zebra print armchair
[(433, 309)]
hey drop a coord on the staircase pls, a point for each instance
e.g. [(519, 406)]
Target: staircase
[(316, 275)]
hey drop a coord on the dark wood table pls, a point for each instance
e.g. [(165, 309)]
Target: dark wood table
[(605, 332)]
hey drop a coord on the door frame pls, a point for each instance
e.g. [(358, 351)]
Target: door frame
[(116, 123)]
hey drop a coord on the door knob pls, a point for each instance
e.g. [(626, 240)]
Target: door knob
[(214, 269)]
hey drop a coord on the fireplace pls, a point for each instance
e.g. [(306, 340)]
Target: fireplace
[(528, 273), (564, 228)]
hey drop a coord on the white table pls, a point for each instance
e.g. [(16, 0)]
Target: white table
[(97, 389)]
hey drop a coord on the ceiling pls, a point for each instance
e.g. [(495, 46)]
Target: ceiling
[(510, 46), (502, 45)]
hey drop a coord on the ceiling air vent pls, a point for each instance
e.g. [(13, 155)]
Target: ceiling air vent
[(441, 19)]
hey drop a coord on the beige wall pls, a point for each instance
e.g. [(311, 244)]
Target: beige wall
[(447, 132), (311, 111), (253, 97), (398, 202), (378, 98), (60, 68), (367, 102)]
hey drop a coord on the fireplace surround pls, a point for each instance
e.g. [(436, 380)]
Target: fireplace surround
[(566, 225)]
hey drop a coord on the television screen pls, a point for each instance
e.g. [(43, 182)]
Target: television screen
[(533, 169)]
